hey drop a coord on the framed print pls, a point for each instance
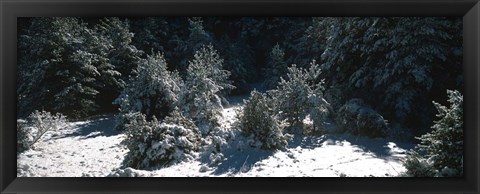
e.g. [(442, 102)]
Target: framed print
[(239, 96)]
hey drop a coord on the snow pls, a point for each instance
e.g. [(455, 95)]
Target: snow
[(89, 147), (92, 148)]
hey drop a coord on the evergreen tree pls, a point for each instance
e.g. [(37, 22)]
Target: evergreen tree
[(300, 95), (153, 91), (393, 63), (276, 67), (201, 97), (306, 41), (123, 57), (74, 69), (239, 61), (258, 120), (443, 147), (151, 33), (60, 73), (187, 45)]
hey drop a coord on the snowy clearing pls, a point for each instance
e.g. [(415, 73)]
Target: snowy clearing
[(92, 148)]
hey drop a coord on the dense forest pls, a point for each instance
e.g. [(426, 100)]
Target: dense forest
[(170, 78)]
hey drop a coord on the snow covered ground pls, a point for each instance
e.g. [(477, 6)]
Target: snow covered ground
[(92, 148), (87, 148)]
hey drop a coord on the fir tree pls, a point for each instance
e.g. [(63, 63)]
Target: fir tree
[(188, 44), (151, 33), (300, 95), (276, 67), (122, 56), (75, 70), (393, 63), (59, 74), (153, 91), (201, 97), (239, 61), (258, 120), (306, 42), (443, 147)]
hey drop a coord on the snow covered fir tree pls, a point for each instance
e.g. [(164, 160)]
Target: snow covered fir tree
[(240, 97)]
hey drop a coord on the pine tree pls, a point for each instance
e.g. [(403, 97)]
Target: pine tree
[(114, 35), (59, 74), (276, 67), (396, 64), (75, 70), (153, 91), (151, 33), (188, 44), (239, 61), (201, 97), (306, 42), (257, 119), (443, 147), (300, 95)]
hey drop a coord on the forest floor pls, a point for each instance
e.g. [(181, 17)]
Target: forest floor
[(92, 148)]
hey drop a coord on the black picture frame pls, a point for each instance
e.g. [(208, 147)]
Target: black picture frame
[(11, 9)]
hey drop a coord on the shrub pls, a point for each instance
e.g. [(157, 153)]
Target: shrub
[(417, 166), (44, 122), (319, 111), (257, 120), (23, 137), (215, 143), (360, 119), (443, 146), (38, 123), (153, 143)]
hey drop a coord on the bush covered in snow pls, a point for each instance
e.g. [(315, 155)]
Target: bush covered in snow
[(418, 166), (258, 120), (37, 124), (153, 91), (157, 144), (23, 137), (443, 147), (215, 143), (360, 119), (299, 95), (127, 172)]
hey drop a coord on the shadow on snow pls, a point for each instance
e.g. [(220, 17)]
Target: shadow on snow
[(239, 161), (242, 160), (100, 126), (379, 147)]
